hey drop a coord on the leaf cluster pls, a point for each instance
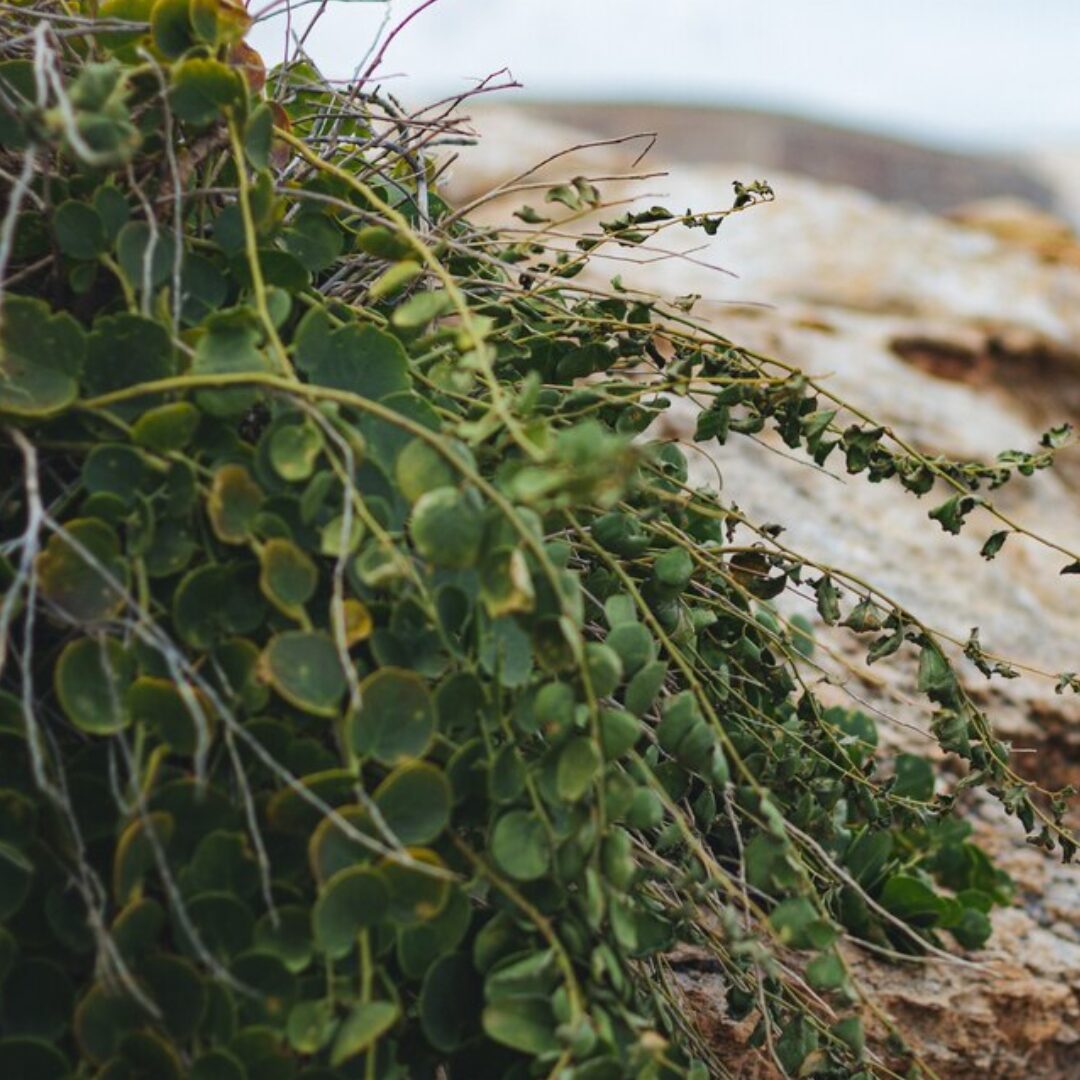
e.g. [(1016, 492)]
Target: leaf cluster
[(376, 698)]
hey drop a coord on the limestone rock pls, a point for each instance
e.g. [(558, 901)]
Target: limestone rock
[(962, 336), (1019, 223)]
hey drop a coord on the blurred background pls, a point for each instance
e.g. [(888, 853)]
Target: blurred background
[(933, 101)]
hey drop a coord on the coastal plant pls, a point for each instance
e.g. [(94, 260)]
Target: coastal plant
[(377, 697)]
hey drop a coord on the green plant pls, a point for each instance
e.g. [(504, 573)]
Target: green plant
[(374, 702)]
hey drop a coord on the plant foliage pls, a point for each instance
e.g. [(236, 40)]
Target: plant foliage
[(377, 699)]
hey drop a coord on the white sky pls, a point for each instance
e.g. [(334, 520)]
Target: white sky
[(978, 73)]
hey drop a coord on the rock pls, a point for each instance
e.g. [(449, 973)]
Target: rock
[(1015, 1015), (1019, 223), (963, 337), (887, 168)]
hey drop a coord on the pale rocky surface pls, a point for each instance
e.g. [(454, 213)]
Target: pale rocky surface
[(963, 335), (890, 168)]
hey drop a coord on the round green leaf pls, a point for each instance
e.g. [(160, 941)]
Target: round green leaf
[(204, 287), (305, 669), (144, 257), (125, 350), (41, 358), (605, 668), (234, 501), (82, 277), (80, 232), (826, 972), (289, 939), (206, 819), (159, 704), (197, 605), (646, 809), (526, 1024), (237, 662), (166, 428), (914, 778), (644, 686), (261, 1052), (619, 731), (417, 894), (220, 1019), (447, 528), (362, 1028), (507, 777), (383, 243), (102, 1017), (393, 280), (332, 849), (92, 677), (396, 719), (349, 902), (912, 900), (257, 136), (414, 801), (333, 538), (310, 1026), (222, 858), (170, 24), (384, 440), (519, 844), (33, 390), (420, 468), (799, 925), (553, 709), (634, 645), (224, 924), (202, 89), (295, 449), (288, 577), (116, 469), (363, 360), (284, 272), (229, 346), (450, 999), (674, 569), (315, 240), (973, 929), (421, 308), (579, 763), (109, 201), (421, 944), (137, 928)]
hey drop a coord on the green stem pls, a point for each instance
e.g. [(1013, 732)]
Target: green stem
[(258, 285)]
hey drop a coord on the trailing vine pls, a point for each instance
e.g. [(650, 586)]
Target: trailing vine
[(377, 699)]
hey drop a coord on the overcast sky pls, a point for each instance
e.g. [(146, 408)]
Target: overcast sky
[(978, 73)]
